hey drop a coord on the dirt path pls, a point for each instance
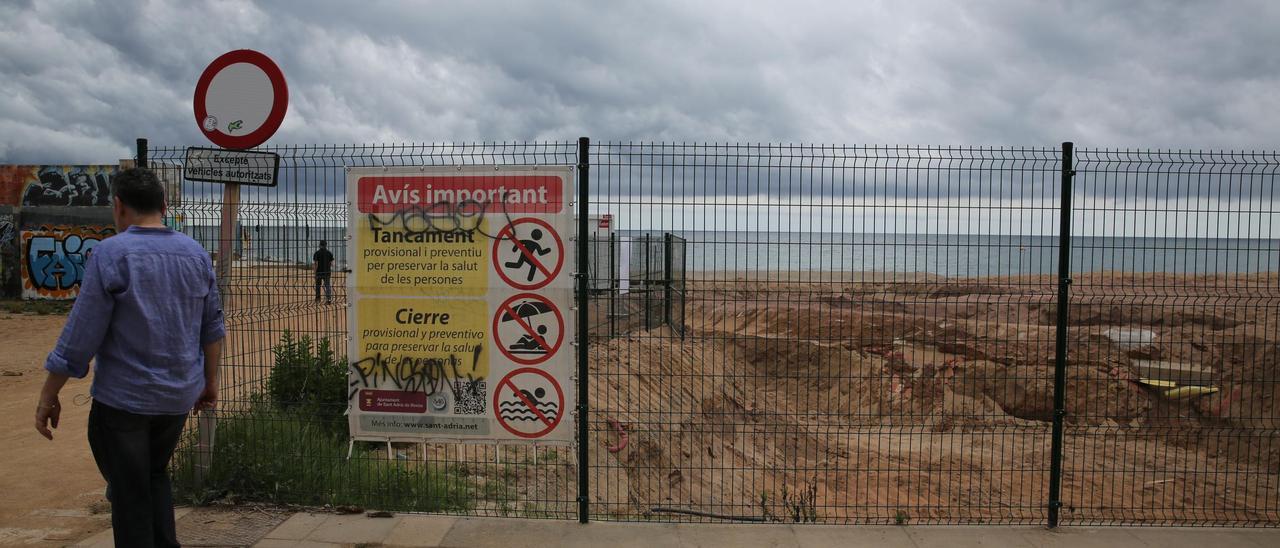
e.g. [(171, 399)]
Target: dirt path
[(50, 492)]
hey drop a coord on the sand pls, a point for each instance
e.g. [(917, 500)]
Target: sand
[(843, 398), (931, 399), (50, 491)]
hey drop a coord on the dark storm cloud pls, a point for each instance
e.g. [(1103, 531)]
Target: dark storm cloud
[(80, 81)]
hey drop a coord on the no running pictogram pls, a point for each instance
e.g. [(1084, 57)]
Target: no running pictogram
[(528, 253)]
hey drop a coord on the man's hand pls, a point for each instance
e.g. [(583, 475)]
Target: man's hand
[(47, 413), (208, 397), (49, 409), (212, 355)]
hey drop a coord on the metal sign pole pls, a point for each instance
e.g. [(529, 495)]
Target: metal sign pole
[(226, 237), (207, 425), (221, 121)]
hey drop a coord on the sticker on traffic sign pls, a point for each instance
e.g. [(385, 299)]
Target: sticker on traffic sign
[(529, 403), (528, 253), (528, 329), (240, 99)]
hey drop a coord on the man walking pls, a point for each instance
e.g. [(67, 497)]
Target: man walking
[(148, 311), (322, 260)]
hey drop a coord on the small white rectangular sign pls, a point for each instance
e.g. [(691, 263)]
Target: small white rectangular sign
[(216, 165)]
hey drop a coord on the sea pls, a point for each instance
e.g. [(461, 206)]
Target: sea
[(953, 255)]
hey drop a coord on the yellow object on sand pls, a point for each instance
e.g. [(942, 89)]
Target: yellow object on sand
[(1158, 383), (1189, 392)]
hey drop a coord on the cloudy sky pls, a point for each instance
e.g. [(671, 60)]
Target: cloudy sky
[(79, 80)]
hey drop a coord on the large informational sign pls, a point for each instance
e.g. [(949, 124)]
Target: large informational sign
[(461, 289)]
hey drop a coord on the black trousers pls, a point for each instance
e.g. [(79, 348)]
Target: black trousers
[(323, 278), (133, 452)]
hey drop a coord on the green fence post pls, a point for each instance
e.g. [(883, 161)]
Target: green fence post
[(584, 164), (1060, 352)]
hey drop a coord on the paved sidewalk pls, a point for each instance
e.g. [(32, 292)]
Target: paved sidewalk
[(325, 530)]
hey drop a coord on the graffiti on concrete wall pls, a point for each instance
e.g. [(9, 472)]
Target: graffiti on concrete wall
[(8, 248), (8, 232), (53, 259), (56, 185)]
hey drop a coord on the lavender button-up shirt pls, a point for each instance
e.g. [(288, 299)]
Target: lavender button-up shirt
[(148, 303)]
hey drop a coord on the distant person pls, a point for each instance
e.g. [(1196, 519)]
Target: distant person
[(322, 260), (148, 313)]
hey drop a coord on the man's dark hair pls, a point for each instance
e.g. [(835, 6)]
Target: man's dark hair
[(139, 189), (322, 243)]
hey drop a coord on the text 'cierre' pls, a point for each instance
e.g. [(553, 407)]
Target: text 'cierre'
[(411, 316)]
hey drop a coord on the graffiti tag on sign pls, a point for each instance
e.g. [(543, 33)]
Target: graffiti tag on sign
[(53, 259)]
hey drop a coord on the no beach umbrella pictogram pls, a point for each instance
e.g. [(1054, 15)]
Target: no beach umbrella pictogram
[(528, 329), (529, 403), (528, 253)]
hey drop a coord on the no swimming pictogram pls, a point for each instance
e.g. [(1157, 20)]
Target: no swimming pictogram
[(529, 403), (528, 253), (528, 329)]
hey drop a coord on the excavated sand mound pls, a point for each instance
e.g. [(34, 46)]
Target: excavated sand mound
[(860, 399)]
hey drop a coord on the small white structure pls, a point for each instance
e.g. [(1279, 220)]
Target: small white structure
[(609, 254), (1126, 337)]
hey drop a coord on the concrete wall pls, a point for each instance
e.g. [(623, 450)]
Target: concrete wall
[(49, 185), (10, 272), (51, 216)]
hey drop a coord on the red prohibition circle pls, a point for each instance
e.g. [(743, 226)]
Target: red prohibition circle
[(507, 234), (279, 102), (497, 395), (506, 306)]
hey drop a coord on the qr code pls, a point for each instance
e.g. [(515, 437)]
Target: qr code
[(469, 397)]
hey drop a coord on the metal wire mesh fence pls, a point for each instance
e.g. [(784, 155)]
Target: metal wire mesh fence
[(829, 334), (851, 338), (282, 434), (1174, 364)]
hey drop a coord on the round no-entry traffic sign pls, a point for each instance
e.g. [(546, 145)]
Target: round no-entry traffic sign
[(529, 403), (528, 328), (240, 99), (528, 253)]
